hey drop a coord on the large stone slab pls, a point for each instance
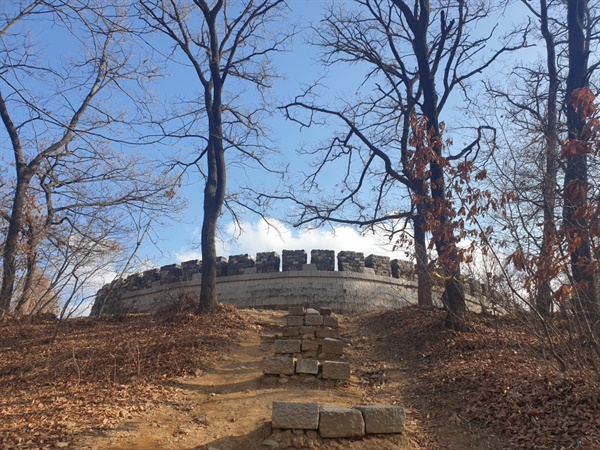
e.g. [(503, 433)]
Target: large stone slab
[(295, 416), (336, 370), (310, 345), (383, 418), (287, 345), (338, 422), (313, 319), (333, 346), (296, 311), (279, 365), (328, 333), (294, 321), (291, 331), (325, 311), (308, 331), (309, 366), (330, 321)]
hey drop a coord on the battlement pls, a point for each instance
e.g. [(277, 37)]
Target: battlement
[(271, 281)]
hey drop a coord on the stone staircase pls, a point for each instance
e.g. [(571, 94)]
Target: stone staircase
[(309, 347)]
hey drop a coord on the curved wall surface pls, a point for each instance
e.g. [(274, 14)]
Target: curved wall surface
[(344, 292), (360, 284)]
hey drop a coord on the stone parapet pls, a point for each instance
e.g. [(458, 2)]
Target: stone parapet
[(190, 268), (351, 262), (267, 262), (238, 264), (379, 264), (402, 269), (352, 288), (171, 274), (293, 260), (222, 266), (323, 259)]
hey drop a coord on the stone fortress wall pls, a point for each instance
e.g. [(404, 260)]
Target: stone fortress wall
[(359, 284)]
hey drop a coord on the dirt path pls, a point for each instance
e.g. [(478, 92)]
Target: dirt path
[(228, 406)]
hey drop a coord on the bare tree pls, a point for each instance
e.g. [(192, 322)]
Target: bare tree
[(69, 184), (217, 41), (418, 54), (576, 181), (530, 103)]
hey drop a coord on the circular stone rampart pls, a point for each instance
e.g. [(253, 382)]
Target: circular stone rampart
[(344, 292), (360, 284)]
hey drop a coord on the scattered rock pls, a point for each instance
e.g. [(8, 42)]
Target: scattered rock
[(270, 443)]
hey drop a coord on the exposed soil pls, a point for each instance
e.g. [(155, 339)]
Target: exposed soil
[(183, 382)]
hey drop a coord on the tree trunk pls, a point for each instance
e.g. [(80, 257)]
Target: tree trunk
[(25, 304), (208, 289), (424, 283), (214, 195), (214, 191), (576, 184), (9, 255), (455, 296), (544, 291), (443, 238)]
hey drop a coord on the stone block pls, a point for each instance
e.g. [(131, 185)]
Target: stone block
[(310, 366), (328, 333), (294, 321), (296, 311), (336, 370), (338, 422), (311, 311), (279, 365), (383, 418), (333, 346), (311, 434), (309, 345), (295, 416), (308, 330), (330, 357), (313, 319), (287, 345), (330, 321), (325, 311), (290, 331)]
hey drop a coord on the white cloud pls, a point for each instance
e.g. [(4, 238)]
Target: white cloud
[(259, 236)]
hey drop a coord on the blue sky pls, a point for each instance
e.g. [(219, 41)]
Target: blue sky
[(300, 66), (179, 241)]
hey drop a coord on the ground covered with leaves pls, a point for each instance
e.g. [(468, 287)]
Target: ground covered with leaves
[(498, 377), (59, 379), (493, 387)]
